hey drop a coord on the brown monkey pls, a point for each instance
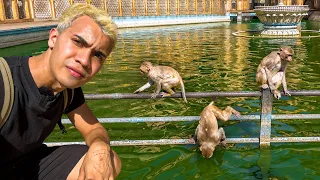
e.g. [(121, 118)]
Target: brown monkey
[(207, 134), (272, 69), (165, 77)]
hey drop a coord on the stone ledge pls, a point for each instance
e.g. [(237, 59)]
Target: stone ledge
[(26, 33)]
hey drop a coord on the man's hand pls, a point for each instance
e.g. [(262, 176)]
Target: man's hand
[(97, 163)]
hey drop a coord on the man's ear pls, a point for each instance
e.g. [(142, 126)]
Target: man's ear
[(53, 35)]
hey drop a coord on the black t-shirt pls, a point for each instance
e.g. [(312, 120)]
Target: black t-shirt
[(34, 114)]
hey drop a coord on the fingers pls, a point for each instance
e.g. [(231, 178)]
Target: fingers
[(223, 143), (111, 177), (154, 95), (287, 93), (81, 174), (236, 113), (277, 95)]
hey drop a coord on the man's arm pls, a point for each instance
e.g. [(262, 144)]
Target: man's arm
[(100, 161), (88, 125)]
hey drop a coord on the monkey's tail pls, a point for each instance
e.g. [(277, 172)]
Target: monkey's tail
[(183, 91)]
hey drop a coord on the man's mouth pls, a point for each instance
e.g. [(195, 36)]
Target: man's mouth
[(76, 73)]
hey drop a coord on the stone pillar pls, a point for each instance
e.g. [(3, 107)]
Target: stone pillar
[(2, 11), (228, 5), (239, 5), (239, 16), (299, 2), (15, 9), (265, 118), (317, 4)]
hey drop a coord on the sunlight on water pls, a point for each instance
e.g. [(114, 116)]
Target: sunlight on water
[(209, 58)]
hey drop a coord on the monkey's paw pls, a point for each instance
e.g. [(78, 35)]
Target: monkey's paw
[(276, 94), (236, 113), (163, 94), (154, 95), (287, 93), (194, 137), (264, 86), (223, 142), (136, 92)]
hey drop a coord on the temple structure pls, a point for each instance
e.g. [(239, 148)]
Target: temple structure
[(34, 10)]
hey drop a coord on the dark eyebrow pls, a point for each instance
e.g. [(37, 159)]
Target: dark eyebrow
[(85, 43)]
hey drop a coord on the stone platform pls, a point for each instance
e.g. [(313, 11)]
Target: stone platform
[(21, 33)]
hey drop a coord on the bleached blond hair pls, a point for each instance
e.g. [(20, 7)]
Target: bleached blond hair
[(100, 16)]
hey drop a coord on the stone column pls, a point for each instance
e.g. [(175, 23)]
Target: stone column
[(2, 11)]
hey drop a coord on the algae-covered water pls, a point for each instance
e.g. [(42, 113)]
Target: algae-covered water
[(209, 58)]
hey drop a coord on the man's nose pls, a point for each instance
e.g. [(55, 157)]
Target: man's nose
[(83, 57)]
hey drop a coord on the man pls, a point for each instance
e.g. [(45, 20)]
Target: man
[(78, 47)]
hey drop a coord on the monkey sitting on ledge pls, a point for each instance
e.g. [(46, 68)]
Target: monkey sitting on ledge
[(271, 71), (207, 134), (165, 77)]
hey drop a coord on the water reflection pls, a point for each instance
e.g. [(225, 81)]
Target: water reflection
[(210, 58)]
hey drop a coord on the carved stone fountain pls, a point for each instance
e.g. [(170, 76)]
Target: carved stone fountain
[(281, 20)]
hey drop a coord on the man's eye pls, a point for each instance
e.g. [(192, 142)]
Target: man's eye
[(77, 42), (99, 56)]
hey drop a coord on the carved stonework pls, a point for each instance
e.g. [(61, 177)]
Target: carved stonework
[(281, 19)]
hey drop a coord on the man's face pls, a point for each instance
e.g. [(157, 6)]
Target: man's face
[(78, 53)]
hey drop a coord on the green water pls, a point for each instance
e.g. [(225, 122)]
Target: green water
[(209, 58)]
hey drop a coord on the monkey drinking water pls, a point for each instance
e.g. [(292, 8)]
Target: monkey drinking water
[(165, 77), (272, 69), (207, 134)]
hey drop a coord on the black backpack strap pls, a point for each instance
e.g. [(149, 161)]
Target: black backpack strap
[(66, 99), (6, 93)]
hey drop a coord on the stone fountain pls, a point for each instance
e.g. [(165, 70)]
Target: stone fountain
[(281, 20)]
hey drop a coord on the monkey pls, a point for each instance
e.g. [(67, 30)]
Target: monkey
[(271, 71), (207, 134), (165, 77)]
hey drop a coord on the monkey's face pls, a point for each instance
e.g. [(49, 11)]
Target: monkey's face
[(145, 67), (144, 70), (207, 149), (286, 53)]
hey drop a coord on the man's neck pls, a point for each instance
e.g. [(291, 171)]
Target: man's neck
[(41, 73)]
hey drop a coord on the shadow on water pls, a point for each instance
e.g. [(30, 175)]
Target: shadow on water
[(209, 58), (246, 162)]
